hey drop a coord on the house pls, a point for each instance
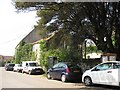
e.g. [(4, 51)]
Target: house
[(1, 60), (36, 46), (36, 50), (4, 59), (33, 37), (93, 55)]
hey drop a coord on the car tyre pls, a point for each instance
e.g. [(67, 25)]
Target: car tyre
[(63, 78), (48, 76), (29, 72), (6, 69), (87, 81), (22, 71), (17, 70)]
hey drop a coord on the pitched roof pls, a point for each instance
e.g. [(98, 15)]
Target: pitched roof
[(33, 36)]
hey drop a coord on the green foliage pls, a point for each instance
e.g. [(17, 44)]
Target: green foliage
[(61, 54), (34, 56), (23, 53), (91, 49), (95, 21), (43, 46)]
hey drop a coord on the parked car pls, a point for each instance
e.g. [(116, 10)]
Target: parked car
[(17, 68), (65, 71), (31, 67), (107, 73), (9, 67)]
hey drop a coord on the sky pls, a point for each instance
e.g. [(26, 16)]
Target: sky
[(13, 26)]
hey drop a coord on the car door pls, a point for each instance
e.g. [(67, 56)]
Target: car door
[(26, 67), (61, 70), (96, 74), (100, 73), (107, 71), (113, 75), (54, 71)]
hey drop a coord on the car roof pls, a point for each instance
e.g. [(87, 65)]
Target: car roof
[(10, 63), (17, 64), (112, 62), (68, 63), (30, 61)]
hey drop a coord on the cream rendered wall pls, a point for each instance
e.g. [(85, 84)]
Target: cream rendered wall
[(94, 55), (36, 49)]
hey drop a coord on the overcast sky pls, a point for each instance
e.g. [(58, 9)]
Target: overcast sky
[(13, 26)]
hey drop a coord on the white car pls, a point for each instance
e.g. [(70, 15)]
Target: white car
[(17, 68), (107, 73)]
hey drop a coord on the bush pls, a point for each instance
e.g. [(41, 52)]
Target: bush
[(23, 53)]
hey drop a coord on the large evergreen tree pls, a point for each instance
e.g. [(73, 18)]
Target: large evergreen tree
[(74, 22)]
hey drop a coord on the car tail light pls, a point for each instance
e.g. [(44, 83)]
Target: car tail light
[(67, 70)]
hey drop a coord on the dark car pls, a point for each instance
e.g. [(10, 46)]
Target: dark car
[(9, 67), (65, 71)]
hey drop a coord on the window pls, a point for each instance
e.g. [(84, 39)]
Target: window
[(116, 65), (74, 66), (26, 64), (33, 64), (11, 64), (62, 65), (104, 66), (56, 65)]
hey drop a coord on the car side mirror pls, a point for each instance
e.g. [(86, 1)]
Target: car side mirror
[(27, 65), (52, 68)]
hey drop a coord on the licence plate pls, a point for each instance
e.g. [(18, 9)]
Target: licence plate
[(37, 71)]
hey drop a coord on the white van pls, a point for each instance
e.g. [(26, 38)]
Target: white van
[(31, 67)]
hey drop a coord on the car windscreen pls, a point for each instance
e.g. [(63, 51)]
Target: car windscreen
[(20, 65), (33, 64), (73, 66), (11, 64)]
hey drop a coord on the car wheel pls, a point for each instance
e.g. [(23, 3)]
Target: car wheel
[(17, 70), (63, 78), (87, 81), (29, 72), (6, 69), (48, 76), (22, 71)]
